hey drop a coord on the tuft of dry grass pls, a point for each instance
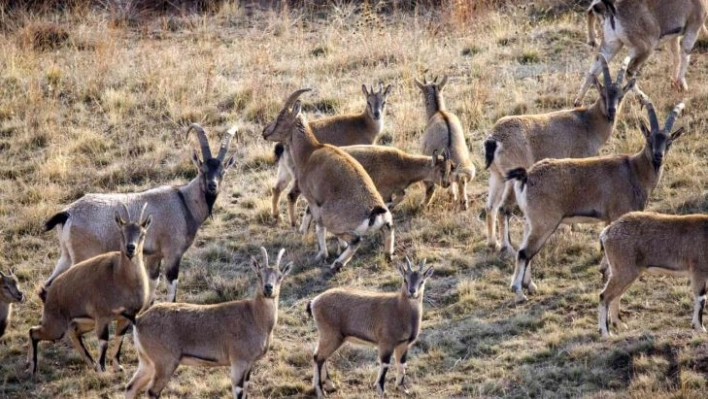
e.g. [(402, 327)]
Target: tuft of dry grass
[(104, 109)]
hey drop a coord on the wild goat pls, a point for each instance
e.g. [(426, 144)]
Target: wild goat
[(586, 190), (96, 291), (393, 170), (341, 195), (647, 241), (180, 209), (520, 141), (338, 130), (642, 26), (9, 294), (391, 321), (444, 131), (235, 334)]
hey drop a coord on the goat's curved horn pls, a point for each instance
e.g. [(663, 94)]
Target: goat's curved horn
[(280, 257), (672, 117), (225, 143), (653, 121), (409, 266), (380, 87), (622, 71), (607, 79), (293, 97), (142, 212), (3, 275), (265, 255), (422, 265), (203, 141)]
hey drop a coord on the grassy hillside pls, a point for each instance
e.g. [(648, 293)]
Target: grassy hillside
[(94, 103)]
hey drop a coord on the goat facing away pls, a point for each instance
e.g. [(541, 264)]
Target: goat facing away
[(393, 171), (181, 210), (444, 131), (586, 190), (390, 321), (342, 197), (93, 293), (9, 294), (235, 334), (642, 26), (655, 243), (521, 141), (337, 130)]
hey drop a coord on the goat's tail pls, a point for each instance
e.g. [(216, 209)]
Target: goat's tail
[(518, 174), (308, 309), (490, 147), (278, 151), (60, 218), (378, 210)]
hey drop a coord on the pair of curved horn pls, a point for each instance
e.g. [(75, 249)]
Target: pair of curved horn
[(278, 259), (672, 117), (409, 266), (434, 81), (204, 142), (127, 212)]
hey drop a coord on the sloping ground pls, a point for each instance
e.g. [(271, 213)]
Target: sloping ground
[(97, 107)]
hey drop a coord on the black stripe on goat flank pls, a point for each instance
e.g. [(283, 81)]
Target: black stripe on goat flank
[(592, 213), (192, 225), (675, 31), (358, 337)]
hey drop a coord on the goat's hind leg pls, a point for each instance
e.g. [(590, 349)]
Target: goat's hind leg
[(617, 284), (534, 239), (698, 286), (52, 330), (346, 256), (77, 329), (239, 371), (122, 326)]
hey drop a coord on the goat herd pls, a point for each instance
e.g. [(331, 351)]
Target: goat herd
[(548, 164)]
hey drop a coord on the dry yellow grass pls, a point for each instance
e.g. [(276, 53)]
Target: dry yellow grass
[(104, 108)]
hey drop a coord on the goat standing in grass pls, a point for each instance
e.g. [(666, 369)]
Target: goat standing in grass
[(642, 26), (93, 293), (180, 209), (520, 141), (342, 197), (586, 190), (338, 130), (641, 242), (444, 132), (235, 334), (390, 321), (9, 294)]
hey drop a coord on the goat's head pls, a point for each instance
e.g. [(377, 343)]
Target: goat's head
[(376, 100), (281, 129), (432, 92), (443, 168), (211, 170), (658, 140), (270, 277), (133, 233), (9, 291), (414, 280), (612, 93)]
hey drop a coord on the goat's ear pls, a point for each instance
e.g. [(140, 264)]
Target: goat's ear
[(147, 222), (387, 91), (419, 84), (119, 220), (645, 131), (229, 163), (195, 159), (630, 85), (286, 270), (297, 107), (597, 84), (442, 83), (676, 134), (428, 272), (256, 266)]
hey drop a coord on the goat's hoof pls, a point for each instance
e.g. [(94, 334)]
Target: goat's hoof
[(531, 288), (100, 369), (679, 85), (403, 388), (507, 252), (117, 368), (336, 266), (698, 328), (329, 386), (592, 43), (604, 334), (389, 258), (380, 391), (577, 103), (520, 297), (493, 246)]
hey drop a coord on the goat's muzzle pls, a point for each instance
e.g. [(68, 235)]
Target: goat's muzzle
[(268, 290), (130, 250), (213, 187)]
